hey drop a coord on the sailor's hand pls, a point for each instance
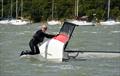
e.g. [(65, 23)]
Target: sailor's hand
[(57, 35)]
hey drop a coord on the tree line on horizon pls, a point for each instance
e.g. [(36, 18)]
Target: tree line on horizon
[(41, 10)]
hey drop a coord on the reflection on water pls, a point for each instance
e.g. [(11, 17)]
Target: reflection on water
[(14, 39)]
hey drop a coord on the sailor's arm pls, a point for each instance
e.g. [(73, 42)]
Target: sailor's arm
[(49, 35)]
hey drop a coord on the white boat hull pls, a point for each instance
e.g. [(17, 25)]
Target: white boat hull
[(110, 23), (18, 22), (4, 21), (53, 22), (82, 23)]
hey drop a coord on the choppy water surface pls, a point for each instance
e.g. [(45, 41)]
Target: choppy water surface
[(14, 39)]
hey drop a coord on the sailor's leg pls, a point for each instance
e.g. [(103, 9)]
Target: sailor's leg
[(37, 49), (32, 47), (22, 53)]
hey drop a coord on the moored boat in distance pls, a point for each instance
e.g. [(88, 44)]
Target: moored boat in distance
[(54, 22), (18, 22), (82, 23), (110, 22), (15, 21), (6, 21)]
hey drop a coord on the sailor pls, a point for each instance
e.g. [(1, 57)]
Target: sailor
[(38, 38)]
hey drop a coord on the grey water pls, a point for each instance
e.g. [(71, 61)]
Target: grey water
[(14, 39)]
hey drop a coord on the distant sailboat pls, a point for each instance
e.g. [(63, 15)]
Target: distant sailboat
[(109, 21), (20, 21), (80, 22), (53, 22)]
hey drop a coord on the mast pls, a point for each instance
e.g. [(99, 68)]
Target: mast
[(21, 7), (11, 8), (16, 9), (108, 15), (52, 9), (2, 10), (76, 7)]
